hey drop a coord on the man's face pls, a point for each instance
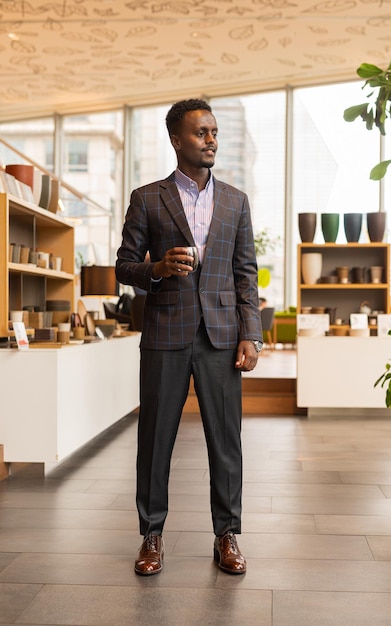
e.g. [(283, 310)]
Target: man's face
[(196, 140)]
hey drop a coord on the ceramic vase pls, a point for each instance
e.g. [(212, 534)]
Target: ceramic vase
[(54, 195), (358, 274), (37, 185), (45, 191), (311, 267), (352, 224), (376, 273), (330, 226), (307, 226), (376, 225), (343, 274)]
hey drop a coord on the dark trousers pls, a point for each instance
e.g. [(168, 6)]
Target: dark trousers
[(164, 384)]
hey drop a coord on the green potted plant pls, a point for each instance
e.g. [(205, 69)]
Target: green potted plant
[(375, 113), (377, 110)]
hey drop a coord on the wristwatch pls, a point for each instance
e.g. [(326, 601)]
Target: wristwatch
[(258, 345)]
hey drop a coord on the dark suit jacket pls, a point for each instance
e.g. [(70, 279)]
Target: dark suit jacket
[(224, 289)]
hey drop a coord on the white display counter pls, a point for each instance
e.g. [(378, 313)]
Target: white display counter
[(336, 375), (55, 400)]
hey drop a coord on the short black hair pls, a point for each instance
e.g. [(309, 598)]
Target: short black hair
[(178, 110)]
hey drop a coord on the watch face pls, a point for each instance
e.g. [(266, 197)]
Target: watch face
[(257, 345)]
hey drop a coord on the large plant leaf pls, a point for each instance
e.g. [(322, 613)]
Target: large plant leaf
[(352, 113), (379, 171), (367, 70)]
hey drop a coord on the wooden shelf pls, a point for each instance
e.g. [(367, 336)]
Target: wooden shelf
[(23, 284), (27, 268), (343, 286), (346, 297)]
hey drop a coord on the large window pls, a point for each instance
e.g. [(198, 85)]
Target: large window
[(153, 157), (76, 156), (34, 138), (251, 156), (92, 164)]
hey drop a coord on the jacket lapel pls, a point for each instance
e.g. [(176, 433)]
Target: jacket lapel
[(218, 215), (172, 201)]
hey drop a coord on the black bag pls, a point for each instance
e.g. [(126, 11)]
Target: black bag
[(124, 304)]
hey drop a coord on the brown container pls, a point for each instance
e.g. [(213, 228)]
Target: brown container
[(35, 320), (24, 254)]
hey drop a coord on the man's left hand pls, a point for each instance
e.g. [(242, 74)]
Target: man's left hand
[(246, 356)]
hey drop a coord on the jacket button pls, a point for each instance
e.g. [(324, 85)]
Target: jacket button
[(202, 289)]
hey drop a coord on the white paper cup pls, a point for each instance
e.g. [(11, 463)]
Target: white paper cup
[(64, 327), (16, 316), (57, 263)]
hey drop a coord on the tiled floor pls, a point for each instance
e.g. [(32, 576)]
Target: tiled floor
[(316, 533)]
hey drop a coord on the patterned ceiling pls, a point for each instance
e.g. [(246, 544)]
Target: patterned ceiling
[(82, 55)]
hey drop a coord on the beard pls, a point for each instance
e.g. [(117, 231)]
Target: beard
[(208, 162)]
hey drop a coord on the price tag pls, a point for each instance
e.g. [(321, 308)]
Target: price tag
[(318, 321), (21, 335), (383, 324), (358, 320)]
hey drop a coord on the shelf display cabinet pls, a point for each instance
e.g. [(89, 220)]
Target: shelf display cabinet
[(346, 279), (25, 280)]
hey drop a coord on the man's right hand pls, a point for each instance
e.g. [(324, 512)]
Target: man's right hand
[(176, 262)]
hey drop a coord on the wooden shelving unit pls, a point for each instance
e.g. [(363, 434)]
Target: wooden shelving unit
[(347, 298), (23, 284)]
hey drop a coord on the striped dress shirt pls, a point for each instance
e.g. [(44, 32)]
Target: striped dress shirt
[(198, 207)]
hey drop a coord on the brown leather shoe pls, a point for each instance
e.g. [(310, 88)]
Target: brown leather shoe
[(228, 555), (150, 556)]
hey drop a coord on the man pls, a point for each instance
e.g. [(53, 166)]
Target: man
[(203, 322)]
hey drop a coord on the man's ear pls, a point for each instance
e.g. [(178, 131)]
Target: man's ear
[(175, 142)]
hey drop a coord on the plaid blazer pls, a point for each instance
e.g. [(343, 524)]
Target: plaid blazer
[(223, 290)]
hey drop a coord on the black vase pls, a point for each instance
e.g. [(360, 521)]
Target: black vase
[(376, 225), (352, 224), (307, 227)]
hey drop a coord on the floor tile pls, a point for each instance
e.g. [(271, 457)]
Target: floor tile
[(299, 608), (32, 500), (14, 598), (353, 524), (6, 559), (69, 518), (329, 506), (366, 478), (380, 547), (258, 476)]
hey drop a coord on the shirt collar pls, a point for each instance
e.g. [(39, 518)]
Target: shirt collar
[(185, 181)]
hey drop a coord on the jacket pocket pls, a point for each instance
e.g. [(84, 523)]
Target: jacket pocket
[(227, 298)]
